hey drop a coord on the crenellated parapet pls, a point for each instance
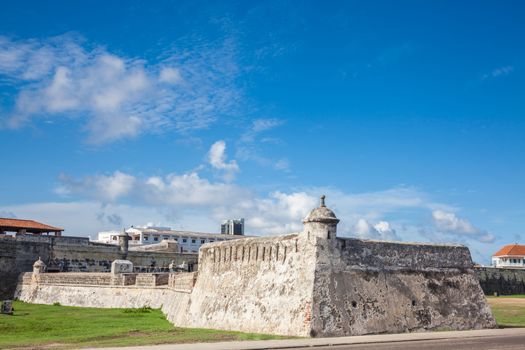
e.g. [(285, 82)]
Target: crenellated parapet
[(249, 251)]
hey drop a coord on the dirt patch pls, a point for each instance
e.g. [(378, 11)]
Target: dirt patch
[(506, 301)]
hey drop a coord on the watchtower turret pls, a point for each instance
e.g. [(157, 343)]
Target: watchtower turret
[(321, 222)]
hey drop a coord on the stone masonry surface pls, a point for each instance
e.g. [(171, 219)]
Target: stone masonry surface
[(73, 254), (501, 281), (306, 284)]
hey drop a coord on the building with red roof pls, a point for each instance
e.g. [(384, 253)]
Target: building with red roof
[(27, 226), (511, 255)]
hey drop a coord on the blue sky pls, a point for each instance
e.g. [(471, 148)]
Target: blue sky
[(408, 115)]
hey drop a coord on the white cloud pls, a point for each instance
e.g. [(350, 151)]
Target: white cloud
[(387, 214), (258, 126), (450, 223), (498, 72), (118, 96), (178, 190), (170, 75), (276, 213), (107, 188), (381, 230), (217, 159), (273, 213)]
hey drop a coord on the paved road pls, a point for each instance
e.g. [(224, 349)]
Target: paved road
[(487, 339), (496, 342)]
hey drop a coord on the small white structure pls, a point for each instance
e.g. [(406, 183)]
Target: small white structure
[(110, 237), (121, 266), (510, 256)]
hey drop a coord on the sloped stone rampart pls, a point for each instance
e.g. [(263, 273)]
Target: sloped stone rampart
[(303, 285), (255, 285), (375, 287)]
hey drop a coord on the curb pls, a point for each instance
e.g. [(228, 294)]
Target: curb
[(320, 342)]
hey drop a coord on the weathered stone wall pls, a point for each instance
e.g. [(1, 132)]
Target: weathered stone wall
[(182, 282), (376, 287), (99, 296), (151, 279), (254, 285), (301, 285), (74, 254), (81, 278), (17, 256), (501, 281)]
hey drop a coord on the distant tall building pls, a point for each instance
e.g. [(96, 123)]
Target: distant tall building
[(233, 227)]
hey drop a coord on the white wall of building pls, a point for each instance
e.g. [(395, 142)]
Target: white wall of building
[(517, 262)]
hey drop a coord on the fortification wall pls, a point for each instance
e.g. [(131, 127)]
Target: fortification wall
[(376, 287), (74, 254), (254, 285), (106, 290), (298, 284), (17, 256), (501, 281)]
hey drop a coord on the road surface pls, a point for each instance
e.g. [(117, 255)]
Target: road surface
[(514, 342)]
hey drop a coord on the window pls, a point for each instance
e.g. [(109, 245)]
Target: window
[(211, 240), (193, 241), (156, 238), (114, 238), (184, 240), (202, 241), (165, 237), (146, 238)]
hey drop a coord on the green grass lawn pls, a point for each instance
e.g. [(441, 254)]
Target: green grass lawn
[(508, 310), (53, 326)]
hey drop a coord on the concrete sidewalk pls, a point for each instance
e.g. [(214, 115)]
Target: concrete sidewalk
[(317, 342)]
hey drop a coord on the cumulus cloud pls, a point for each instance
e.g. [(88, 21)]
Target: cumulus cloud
[(107, 188), (381, 230), (450, 223), (217, 159), (173, 189), (274, 213), (176, 195), (384, 214), (118, 96)]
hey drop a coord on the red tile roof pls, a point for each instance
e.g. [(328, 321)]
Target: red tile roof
[(511, 250), (30, 225)]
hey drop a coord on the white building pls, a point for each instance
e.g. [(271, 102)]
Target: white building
[(189, 242), (512, 255), (108, 237)]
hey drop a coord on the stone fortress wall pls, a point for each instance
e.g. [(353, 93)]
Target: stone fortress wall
[(306, 284), (73, 254), (366, 286), (501, 281)]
